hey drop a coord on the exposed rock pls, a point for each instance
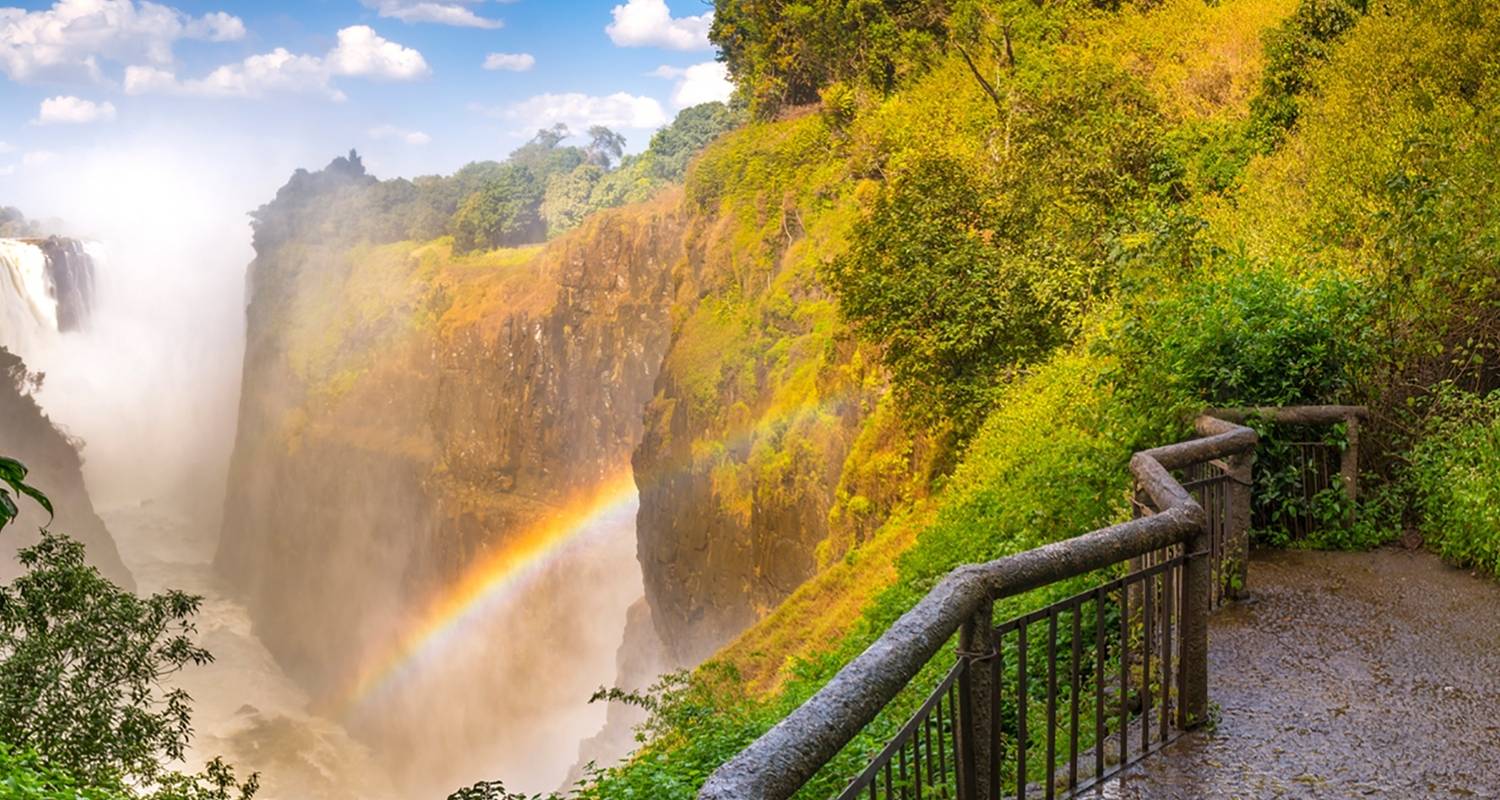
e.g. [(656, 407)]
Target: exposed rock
[(27, 435)]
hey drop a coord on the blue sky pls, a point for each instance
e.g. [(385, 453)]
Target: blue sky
[(234, 94)]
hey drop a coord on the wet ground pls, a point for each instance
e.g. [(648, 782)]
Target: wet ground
[(1345, 675)]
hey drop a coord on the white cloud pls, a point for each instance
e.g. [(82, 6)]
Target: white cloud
[(514, 62), (8, 169), (443, 13), (67, 110), (216, 27), (700, 83), (360, 53), (579, 111), (68, 40), (364, 53), (6, 148), (37, 158), (393, 132), (649, 23)]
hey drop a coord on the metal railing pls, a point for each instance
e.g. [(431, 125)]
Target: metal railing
[(1055, 701)]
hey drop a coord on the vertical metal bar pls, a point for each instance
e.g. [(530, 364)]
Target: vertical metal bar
[(888, 792), (1051, 703), (1168, 589), (1099, 656), (1022, 740), (927, 739), (952, 735), (1147, 630), (901, 760), (1124, 671), (916, 767), (1074, 688), (996, 735)]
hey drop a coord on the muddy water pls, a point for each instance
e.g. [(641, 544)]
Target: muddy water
[(1346, 675), (246, 709)]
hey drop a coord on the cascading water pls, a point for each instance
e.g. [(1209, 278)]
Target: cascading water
[(46, 288)]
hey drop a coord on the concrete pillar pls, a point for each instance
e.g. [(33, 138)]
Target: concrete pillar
[(1237, 517), (978, 758), (1197, 602)]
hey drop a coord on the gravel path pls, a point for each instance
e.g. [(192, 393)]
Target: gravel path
[(1345, 675)]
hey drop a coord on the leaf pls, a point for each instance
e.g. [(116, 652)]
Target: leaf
[(8, 510), (11, 470), (41, 500)]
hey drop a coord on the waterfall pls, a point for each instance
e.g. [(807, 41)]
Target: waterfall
[(46, 288)]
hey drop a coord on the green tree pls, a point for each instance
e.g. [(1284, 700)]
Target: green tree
[(674, 146), (605, 146), (566, 202), (930, 278), (84, 709), (84, 665), (781, 52), (505, 213)]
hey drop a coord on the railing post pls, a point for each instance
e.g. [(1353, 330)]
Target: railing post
[(1197, 602), (977, 755), (1237, 517)]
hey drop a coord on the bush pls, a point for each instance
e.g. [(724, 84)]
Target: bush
[(1249, 335), (1455, 474)]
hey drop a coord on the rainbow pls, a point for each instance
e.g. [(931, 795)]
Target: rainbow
[(494, 579), (499, 576)]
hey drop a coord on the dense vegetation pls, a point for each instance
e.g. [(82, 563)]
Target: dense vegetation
[(85, 706), (1062, 230), (543, 188), (1016, 242)]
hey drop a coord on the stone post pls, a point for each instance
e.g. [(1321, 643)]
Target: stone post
[(1197, 602), (1237, 518), (977, 755)]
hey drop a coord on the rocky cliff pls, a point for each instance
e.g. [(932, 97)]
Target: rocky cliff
[(27, 435), (407, 413)]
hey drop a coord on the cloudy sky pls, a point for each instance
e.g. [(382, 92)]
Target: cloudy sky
[(237, 93)]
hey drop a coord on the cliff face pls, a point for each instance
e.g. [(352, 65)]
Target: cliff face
[(769, 451), (407, 411), (407, 415), (27, 435)]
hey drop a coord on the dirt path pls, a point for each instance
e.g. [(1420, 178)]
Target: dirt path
[(1345, 675)]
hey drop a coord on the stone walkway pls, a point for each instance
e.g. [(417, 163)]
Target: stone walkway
[(1345, 675)]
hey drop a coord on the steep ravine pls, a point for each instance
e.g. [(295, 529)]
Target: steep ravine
[(407, 414)]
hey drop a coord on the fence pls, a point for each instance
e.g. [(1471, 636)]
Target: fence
[(1057, 700)]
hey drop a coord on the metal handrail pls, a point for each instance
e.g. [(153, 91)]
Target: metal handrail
[(781, 761)]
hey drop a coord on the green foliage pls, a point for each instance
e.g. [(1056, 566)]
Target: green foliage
[(566, 201), (781, 52), (1247, 334), (13, 476), (26, 776), (505, 213), (1455, 475), (84, 709), (926, 279), (1293, 50), (84, 663)]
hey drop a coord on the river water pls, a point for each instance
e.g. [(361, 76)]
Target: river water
[(245, 708)]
